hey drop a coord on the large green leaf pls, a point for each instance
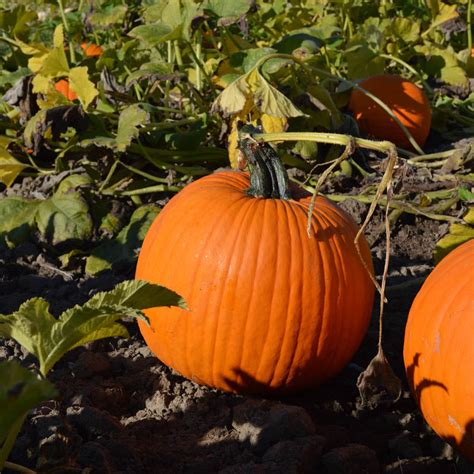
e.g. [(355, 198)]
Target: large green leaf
[(64, 217), (48, 338), (17, 217), (20, 391), (122, 248)]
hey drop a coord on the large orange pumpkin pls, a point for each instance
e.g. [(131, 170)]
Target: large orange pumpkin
[(439, 349), (271, 309), (407, 101)]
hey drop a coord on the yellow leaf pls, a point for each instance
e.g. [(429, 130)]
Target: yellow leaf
[(58, 37), (55, 63), (79, 82), (236, 158), (273, 124), (469, 217), (33, 49), (41, 84), (10, 167)]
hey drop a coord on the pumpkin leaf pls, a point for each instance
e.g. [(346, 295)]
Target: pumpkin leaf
[(122, 248), (226, 9), (17, 218), (64, 217), (130, 119), (80, 83), (10, 167), (458, 234), (20, 391), (48, 338)]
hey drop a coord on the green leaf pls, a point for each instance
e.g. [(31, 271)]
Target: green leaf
[(226, 8), (64, 217), (20, 391), (363, 62), (129, 121), (84, 88), (172, 20), (17, 217), (136, 294), (156, 33), (48, 339), (108, 15), (122, 248), (466, 195), (406, 29)]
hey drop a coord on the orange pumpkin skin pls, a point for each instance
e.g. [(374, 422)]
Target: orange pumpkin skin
[(62, 86), (271, 310), (407, 101), (91, 49), (439, 349)]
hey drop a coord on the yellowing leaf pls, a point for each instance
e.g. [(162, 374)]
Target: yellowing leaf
[(10, 167), (469, 217), (33, 49), (41, 84), (79, 82), (58, 37), (273, 124), (458, 234), (232, 99), (55, 64)]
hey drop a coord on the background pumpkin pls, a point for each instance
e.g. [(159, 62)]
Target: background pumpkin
[(407, 101), (63, 87), (272, 310), (439, 349)]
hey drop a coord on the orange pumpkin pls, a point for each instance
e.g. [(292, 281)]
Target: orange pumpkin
[(272, 310), (407, 101), (62, 86), (91, 49), (439, 349)]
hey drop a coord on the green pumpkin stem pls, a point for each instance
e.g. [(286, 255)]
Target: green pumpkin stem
[(268, 176)]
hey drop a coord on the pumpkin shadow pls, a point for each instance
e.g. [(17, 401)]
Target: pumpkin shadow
[(424, 383)]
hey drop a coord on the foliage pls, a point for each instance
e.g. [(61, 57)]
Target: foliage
[(49, 338)]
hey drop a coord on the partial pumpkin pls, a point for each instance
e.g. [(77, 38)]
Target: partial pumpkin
[(271, 309), (406, 100), (439, 349)]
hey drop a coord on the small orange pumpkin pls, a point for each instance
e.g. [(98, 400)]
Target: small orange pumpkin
[(91, 49), (272, 310), (439, 349), (62, 86), (407, 101)]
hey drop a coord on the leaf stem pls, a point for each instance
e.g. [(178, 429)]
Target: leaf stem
[(19, 468), (10, 441), (410, 68), (379, 102)]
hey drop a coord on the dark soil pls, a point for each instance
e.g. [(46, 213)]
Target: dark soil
[(121, 411)]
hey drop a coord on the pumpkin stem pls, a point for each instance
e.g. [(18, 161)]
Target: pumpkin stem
[(268, 176)]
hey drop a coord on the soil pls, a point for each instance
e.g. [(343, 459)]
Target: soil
[(121, 410)]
